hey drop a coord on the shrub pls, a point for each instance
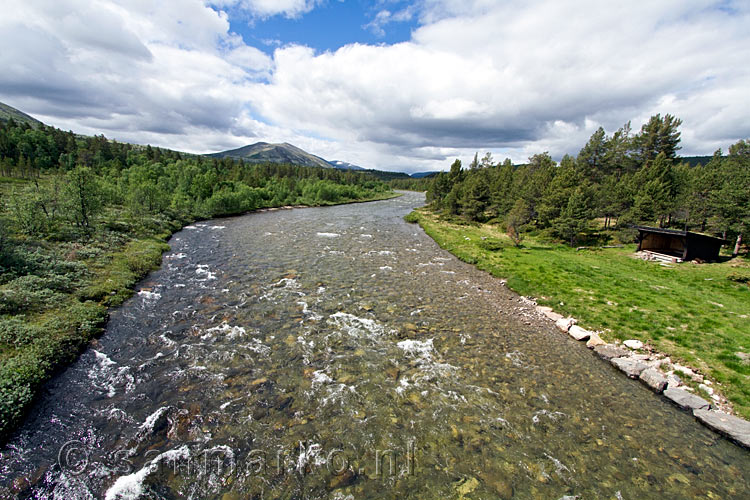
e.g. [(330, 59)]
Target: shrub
[(491, 245), (16, 331), (411, 218)]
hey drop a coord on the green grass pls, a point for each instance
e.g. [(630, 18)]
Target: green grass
[(698, 314)]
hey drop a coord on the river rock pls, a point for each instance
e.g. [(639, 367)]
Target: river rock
[(633, 344), (654, 379), (564, 324), (594, 340), (684, 399), (609, 351), (465, 487), (673, 380), (728, 425), (578, 333), (630, 367), (344, 479), (549, 313), (503, 489)]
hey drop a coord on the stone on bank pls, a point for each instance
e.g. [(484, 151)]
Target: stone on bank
[(733, 427), (630, 367), (684, 399), (654, 379)]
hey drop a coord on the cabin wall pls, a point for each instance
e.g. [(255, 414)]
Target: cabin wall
[(703, 249), (662, 243)]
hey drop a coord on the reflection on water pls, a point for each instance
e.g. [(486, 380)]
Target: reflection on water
[(338, 353)]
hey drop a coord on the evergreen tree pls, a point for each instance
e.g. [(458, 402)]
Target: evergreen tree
[(476, 195), (654, 191), (558, 191), (502, 194), (518, 217), (592, 158), (658, 135), (575, 216), (732, 200)]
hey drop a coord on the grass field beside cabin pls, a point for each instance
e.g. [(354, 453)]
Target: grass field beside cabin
[(698, 314)]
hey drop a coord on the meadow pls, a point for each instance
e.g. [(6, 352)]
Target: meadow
[(699, 314)]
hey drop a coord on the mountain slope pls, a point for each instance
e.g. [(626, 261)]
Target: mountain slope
[(262, 152), (345, 165), (8, 112), (420, 175)]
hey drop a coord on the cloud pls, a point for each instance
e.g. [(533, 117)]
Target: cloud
[(134, 70), (267, 8), (514, 78), (385, 16)]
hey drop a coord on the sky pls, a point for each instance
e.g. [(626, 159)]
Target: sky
[(388, 84)]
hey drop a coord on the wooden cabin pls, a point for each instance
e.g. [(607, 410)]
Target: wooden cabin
[(677, 246)]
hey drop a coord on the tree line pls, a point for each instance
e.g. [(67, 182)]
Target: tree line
[(72, 179), (82, 219), (615, 182)]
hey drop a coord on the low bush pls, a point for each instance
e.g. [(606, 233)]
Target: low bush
[(411, 218)]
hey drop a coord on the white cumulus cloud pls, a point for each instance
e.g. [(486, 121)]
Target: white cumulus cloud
[(514, 77)]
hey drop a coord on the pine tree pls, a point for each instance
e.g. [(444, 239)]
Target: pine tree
[(732, 201), (575, 216), (558, 191), (476, 195), (591, 159)]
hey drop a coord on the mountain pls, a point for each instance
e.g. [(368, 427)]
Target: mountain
[(695, 160), (263, 152), (8, 112), (419, 175), (343, 165)]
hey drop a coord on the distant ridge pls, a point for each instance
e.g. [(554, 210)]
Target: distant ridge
[(263, 152), (419, 175), (8, 112), (344, 165), (695, 160)]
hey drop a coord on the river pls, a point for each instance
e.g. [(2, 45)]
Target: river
[(339, 353)]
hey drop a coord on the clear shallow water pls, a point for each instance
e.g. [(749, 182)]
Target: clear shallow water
[(338, 353)]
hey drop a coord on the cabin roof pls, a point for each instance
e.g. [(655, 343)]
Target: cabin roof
[(677, 232)]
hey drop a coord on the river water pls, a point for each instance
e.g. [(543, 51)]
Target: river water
[(339, 353)]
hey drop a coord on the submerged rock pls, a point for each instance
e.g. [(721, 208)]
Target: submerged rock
[(503, 489), (684, 399), (467, 486), (341, 480)]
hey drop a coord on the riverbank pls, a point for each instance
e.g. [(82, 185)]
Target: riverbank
[(60, 300), (697, 314)]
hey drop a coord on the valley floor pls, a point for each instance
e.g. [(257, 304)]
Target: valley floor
[(697, 314)]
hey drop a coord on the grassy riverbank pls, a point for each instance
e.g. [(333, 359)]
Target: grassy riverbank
[(56, 288), (698, 314)]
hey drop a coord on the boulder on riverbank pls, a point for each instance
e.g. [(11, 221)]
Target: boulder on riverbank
[(654, 379), (630, 367), (564, 324), (579, 333), (684, 399), (594, 340), (609, 351), (733, 427)]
